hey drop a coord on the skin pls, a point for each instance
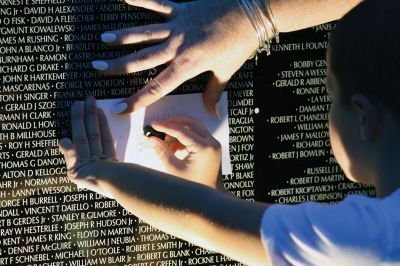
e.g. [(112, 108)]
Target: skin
[(189, 205), (309, 13), (190, 45), (364, 139), (204, 151)]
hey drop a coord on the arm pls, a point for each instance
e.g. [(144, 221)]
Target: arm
[(189, 210), (292, 15), (203, 36)]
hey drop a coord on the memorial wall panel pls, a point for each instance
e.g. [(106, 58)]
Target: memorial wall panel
[(278, 116)]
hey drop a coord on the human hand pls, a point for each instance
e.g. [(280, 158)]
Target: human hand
[(92, 146), (203, 161), (198, 36)]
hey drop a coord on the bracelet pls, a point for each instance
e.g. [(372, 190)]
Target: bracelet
[(247, 9), (271, 20), (264, 27)]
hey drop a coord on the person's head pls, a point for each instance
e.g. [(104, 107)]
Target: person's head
[(364, 80)]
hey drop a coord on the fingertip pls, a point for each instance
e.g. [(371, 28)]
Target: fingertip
[(64, 145), (156, 123), (159, 126), (75, 105), (211, 107), (131, 104), (108, 37), (154, 141), (100, 65), (134, 104), (119, 108), (90, 99), (90, 103), (218, 111), (214, 109), (212, 94)]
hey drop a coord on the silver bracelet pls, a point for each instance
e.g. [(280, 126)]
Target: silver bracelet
[(271, 20), (244, 5), (264, 28)]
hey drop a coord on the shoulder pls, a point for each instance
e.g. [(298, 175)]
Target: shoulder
[(358, 222), (350, 210)]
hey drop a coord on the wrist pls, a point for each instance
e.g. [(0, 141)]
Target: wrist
[(98, 172), (259, 13)]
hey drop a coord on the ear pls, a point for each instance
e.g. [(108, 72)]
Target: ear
[(368, 116)]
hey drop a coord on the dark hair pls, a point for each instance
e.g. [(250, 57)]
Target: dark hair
[(365, 53)]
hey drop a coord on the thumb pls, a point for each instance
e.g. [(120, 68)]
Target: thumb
[(166, 155), (212, 93), (70, 155)]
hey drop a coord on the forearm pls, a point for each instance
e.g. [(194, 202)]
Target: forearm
[(291, 15), (188, 210)]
